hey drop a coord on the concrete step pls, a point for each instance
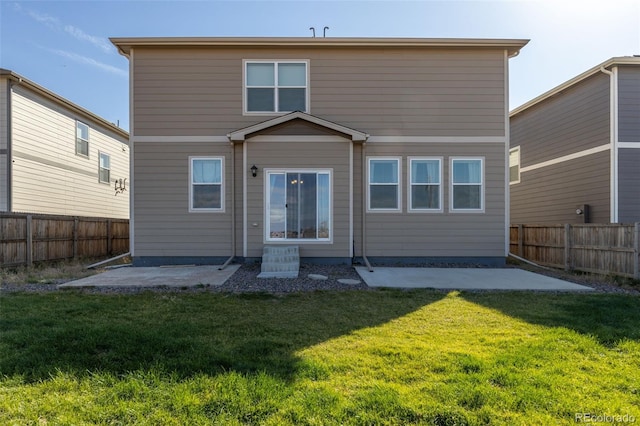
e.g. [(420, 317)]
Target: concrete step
[(280, 262)]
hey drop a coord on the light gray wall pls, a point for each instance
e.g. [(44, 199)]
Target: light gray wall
[(198, 91), (629, 185), (629, 104)]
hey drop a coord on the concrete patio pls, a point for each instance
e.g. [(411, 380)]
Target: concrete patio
[(165, 276), (464, 279)]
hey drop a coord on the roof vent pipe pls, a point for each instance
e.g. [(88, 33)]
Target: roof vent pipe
[(324, 31), (314, 31)]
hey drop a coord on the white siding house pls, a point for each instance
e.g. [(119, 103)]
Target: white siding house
[(56, 157)]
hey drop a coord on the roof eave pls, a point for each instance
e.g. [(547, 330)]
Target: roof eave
[(624, 60), (43, 91), (125, 44)]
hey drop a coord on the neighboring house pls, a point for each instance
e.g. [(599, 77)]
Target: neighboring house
[(394, 149), (56, 157), (575, 150)]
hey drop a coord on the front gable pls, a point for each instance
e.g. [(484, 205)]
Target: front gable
[(297, 123)]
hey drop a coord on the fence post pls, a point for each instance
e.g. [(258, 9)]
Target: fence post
[(521, 240), (29, 238), (75, 238), (109, 236), (567, 247), (636, 251)]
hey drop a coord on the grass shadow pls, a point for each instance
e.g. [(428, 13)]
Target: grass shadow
[(609, 318), (183, 334)]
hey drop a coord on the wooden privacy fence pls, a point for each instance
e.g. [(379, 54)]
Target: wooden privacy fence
[(28, 238), (599, 248)]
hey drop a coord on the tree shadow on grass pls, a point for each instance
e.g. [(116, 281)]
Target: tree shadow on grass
[(184, 334), (609, 318)]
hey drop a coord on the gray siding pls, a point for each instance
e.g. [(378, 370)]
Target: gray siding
[(435, 92), (629, 185), (574, 120), (47, 175), (444, 234), (551, 194), (163, 224), (629, 104)]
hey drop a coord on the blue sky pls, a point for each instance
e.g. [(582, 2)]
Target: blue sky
[(64, 46)]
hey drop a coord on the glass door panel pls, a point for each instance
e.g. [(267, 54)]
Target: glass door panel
[(299, 205), (277, 210)]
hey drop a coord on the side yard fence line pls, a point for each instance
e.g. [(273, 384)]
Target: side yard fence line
[(28, 238), (599, 248)]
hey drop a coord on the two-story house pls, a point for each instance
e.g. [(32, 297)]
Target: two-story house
[(392, 150), (57, 157), (575, 150)]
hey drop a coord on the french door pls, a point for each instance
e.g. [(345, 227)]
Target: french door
[(298, 205)]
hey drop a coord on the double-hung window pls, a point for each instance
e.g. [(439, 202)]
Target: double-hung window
[(206, 186), (82, 139), (298, 205), (425, 177), (467, 184), (276, 87), (384, 184), (104, 168), (514, 165)]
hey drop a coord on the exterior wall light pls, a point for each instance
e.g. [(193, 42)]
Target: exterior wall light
[(254, 171)]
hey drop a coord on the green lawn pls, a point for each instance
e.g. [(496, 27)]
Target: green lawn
[(376, 357)]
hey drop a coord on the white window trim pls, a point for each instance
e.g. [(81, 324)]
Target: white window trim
[(222, 186), (481, 184), (368, 195), (410, 184), (100, 154), (514, 149), (267, 204), (274, 61), (75, 140)]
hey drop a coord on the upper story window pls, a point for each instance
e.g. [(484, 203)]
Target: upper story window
[(82, 139), (104, 168), (467, 185), (514, 165), (276, 86), (384, 184)]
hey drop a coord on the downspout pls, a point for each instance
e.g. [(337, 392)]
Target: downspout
[(364, 207), (233, 207), (613, 143), (9, 156)]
